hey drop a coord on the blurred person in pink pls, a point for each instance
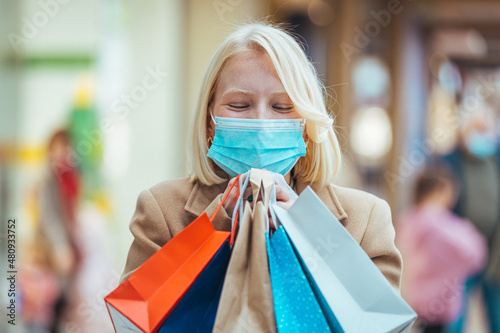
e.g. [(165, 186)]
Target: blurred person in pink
[(57, 203), (440, 249)]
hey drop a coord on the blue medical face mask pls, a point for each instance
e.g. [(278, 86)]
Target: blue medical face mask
[(240, 144), (481, 145)]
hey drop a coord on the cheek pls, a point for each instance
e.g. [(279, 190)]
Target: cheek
[(221, 111), (293, 115)]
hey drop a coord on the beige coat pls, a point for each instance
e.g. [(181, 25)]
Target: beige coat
[(166, 208)]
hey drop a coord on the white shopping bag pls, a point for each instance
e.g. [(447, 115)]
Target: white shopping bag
[(353, 293)]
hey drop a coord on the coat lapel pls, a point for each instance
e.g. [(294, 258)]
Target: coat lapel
[(201, 196)]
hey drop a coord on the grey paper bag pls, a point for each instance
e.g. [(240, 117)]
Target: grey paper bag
[(353, 293)]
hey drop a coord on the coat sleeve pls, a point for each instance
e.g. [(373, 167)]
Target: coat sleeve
[(378, 243), (150, 231)]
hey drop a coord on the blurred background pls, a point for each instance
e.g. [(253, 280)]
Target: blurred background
[(111, 85)]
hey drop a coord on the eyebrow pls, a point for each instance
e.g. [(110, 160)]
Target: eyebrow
[(246, 92), (281, 92), (240, 91)]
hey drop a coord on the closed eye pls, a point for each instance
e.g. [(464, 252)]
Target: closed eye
[(238, 106), (283, 108)]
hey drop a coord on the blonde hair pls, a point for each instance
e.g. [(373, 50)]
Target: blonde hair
[(298, 76)]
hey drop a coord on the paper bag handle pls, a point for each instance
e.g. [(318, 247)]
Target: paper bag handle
[(238, 206), (269, 188), (263, 184)]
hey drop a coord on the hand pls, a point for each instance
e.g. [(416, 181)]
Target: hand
[(285, 196), (233, 197)]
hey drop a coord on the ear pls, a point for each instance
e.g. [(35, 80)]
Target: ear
[(305, 135)]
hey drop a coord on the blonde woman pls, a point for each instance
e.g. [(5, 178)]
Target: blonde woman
[(261, 105)]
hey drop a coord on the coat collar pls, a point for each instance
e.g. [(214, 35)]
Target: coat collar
[(201, 196)]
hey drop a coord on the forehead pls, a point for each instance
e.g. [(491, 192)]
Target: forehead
[(250, 70)]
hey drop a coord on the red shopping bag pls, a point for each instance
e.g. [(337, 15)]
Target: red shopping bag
[(144, 302)]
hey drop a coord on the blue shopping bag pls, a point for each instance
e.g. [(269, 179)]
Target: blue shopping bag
[(295, 306), (196, 310)]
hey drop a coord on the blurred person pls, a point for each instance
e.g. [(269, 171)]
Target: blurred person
[(58, 194), (261, 105), (440, 250), (476, 163), (493, 270), (39, 287)]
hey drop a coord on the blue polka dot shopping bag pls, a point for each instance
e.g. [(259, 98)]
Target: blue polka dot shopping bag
[(295, 305)]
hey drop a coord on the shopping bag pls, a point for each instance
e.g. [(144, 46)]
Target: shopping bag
[(178, 288), (352, 292), (246, 303), (295, 305)]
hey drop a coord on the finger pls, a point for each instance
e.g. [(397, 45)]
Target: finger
[(282, 194), (278, 177), (247, 193), (243, 178), (232, 180), (285, 204), (232, 183), (280, 182), (233, 196), (247, 190)]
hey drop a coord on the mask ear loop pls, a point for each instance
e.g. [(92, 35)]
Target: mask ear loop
[(213, 119)]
